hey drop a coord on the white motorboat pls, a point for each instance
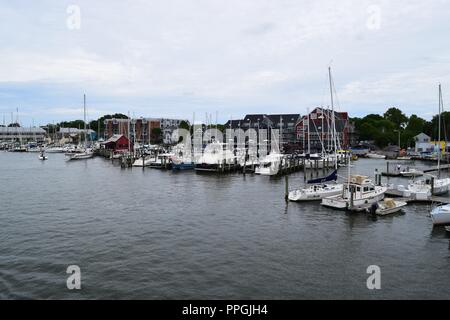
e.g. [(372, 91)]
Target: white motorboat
[(358, 194), (143, 162), (375, 156), (411, 173), (441, 215), (420, 190), (389, 206), (316, 192), (43, 157), (406, 158), (55, 150), (270, 165), (87, 154)]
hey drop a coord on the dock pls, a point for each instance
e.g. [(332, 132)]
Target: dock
[(392, 169), (398, 195)]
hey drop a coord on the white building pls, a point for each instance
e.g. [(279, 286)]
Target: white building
[(17, 134)]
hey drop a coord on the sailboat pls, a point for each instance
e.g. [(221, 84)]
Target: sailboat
[(424, 189), (270, 165), (441, 215), (321, 188), (87, 153)]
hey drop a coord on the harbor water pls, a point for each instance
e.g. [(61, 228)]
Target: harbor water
[(149, 234)]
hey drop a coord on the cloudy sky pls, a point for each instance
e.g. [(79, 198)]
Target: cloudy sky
[(174, 57)]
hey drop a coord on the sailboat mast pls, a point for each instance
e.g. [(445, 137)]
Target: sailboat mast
[(333, 120), (322, 136), (84, 112), (309, 144), (439, 133)]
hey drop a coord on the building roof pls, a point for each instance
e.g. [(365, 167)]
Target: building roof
[(21, 130), (74, 131), (276, 118), (114, 138), (422, 135)]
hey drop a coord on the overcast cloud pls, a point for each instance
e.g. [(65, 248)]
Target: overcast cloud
[(175, 57)]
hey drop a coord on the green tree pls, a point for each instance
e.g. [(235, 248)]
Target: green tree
[(156, 135), (94, 124), (184, 125), (397, 117)]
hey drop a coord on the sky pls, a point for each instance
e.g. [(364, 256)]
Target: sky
[(174, 58)]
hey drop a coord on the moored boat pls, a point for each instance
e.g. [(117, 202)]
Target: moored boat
[(358, 194), (441, 215), (389, 206), (316, 192), (375, 156), (411, 173)]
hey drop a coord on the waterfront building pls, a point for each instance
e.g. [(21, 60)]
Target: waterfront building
[(141, 130), (320, 130), (285, 123), (117, 143), (20, 134), (72, 135)]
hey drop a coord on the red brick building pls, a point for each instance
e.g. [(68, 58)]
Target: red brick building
[(118, 143), (321, 128)]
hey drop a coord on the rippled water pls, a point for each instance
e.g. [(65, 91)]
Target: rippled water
[(161, 235)]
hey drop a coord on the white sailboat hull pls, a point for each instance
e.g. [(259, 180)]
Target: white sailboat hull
[(309, 194), (81, 156), (441, 216)]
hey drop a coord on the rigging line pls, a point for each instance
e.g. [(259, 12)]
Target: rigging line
[(320, 138), (336, 99)]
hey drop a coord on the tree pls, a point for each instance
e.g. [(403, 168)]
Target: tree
[(445, 126), (94, 124), (397, 117), (156, 135), (184, 125), (416, 125)]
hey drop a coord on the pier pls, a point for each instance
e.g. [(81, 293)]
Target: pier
[(393, 169)]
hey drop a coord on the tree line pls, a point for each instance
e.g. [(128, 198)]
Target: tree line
[(384, 130)]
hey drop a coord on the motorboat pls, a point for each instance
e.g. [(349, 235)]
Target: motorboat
[(270, 165), (375, 156), (160, 161), (43, 157), (359, 193), (389, 206), (421, 190), (142, 162), (55, 150), (441, 215), (182, 158), (215, 159), (411, 173)]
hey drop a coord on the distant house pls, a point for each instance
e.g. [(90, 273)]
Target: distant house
[(423, 144), (74, 134), (285, 123), (117, 143)]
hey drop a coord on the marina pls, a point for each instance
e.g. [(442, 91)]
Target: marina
[(139, 212)]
